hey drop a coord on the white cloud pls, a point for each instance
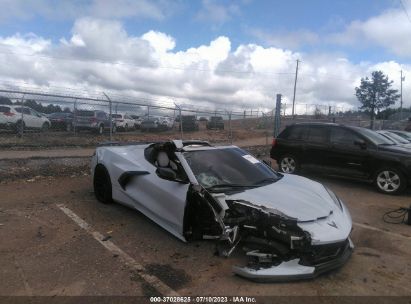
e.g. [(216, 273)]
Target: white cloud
[(71, 9), (217, 14), (100, 55), (292, 40), (390, 30)]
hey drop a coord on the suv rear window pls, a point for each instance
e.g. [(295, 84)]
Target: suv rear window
[(317, 134), (85, 113), (4, 109)]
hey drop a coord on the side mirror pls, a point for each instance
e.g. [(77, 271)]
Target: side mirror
[(361, 143), (166, 173)]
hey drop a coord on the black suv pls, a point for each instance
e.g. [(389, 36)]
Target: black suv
[(346, 151), (189, 123), (215, 122)]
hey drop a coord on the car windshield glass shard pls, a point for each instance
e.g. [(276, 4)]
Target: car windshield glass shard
[(228, 167)]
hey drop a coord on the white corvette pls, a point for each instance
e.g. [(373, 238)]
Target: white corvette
[(289, 226)]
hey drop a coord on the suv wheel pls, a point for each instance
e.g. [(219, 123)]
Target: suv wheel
[(390, 181), (45, 127), (288, 164), (100, 129), (20, 125)]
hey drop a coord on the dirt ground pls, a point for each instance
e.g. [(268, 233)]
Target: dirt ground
[(44, 252)]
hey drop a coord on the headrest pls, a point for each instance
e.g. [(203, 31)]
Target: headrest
[(162, 159)]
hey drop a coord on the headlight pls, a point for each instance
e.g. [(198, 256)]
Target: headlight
[(334, 198)]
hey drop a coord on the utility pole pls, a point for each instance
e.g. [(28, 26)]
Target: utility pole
[(295, 87), (402, 79)]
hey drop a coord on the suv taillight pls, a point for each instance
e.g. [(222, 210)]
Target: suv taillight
[(9, 114), (274, 142)]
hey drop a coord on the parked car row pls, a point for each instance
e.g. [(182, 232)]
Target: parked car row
[(16, 118), (382, 157)]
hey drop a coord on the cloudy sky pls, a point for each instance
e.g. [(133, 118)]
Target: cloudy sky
[(211, 53)]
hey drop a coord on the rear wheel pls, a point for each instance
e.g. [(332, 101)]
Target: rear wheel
[(288, 164), (390, 181), (100, 130), (45, 127), (20, 125), (102, 185)]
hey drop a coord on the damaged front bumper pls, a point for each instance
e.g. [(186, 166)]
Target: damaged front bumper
[(293, 270)]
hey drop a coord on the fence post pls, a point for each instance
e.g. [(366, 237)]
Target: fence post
[(230, 133), (74, 115), (110, 117), (277, 118), (22, 116), (180, 121)]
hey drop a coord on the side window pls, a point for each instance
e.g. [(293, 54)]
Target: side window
[(27, 111), (317, 134), (296, 133), (101, 115), (343, 137)]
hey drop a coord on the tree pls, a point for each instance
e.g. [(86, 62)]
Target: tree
[(376, 94)]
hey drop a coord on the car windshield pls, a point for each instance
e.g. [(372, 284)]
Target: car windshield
[(396, 138), (374, 137), (217, 169)]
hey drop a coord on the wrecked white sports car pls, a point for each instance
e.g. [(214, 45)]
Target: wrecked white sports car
[(289, 226)]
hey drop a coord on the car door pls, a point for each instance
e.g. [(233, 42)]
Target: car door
[(160, 199), (347, 156), (316, 148), (36, 118), (28, 118)]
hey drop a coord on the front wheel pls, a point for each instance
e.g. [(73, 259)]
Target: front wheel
[(288, 164), (390, 181)]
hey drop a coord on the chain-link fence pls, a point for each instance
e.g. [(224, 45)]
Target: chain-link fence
[(48, 119)]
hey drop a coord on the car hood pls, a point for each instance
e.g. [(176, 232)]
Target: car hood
[(295, 196), (401, 149)]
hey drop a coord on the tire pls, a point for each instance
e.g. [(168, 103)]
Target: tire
[(288, 164), (102, 185), (100, 129), (390, 180), (45, 127), (20, 125)]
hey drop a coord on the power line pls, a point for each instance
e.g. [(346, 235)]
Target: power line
[(405, 11)]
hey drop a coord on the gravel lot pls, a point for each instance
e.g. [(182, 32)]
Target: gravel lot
[(44, 252)]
